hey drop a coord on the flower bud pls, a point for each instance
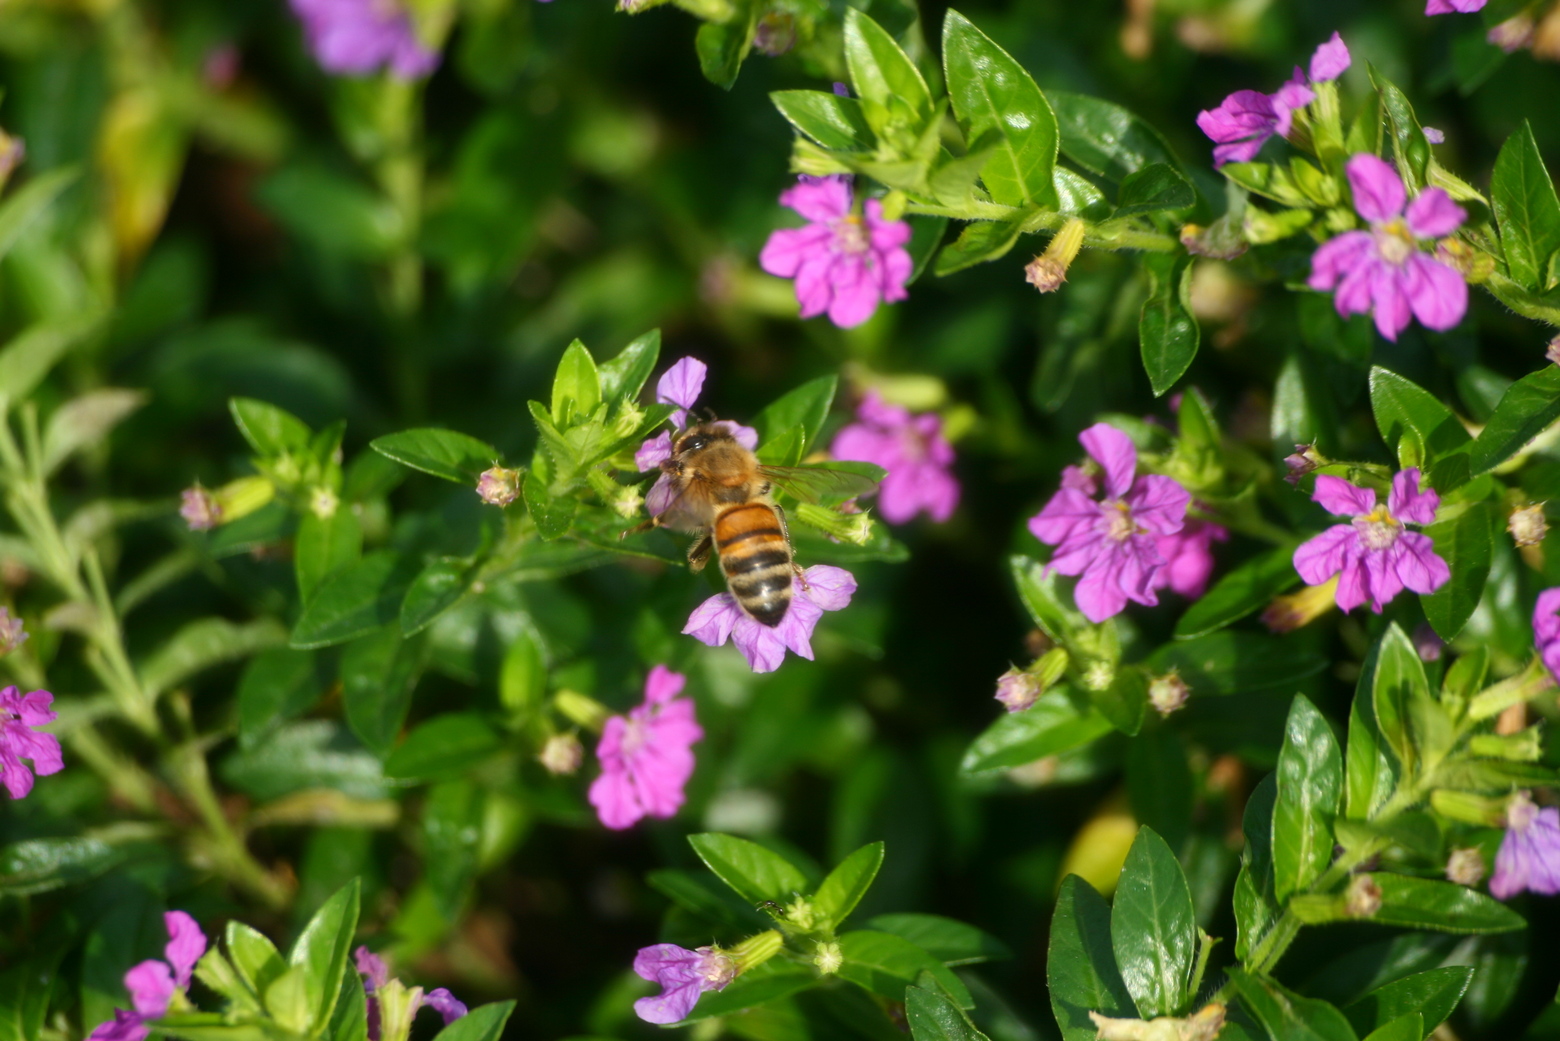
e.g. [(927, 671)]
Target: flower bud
[(1468, 808), (1474, 265), (581, 709), (852, 528), (11, 632), (1363, 897), (827, 957), (1099, 675), (1553, 353), (323, 502), (1428, 643), (1527, 525), (1048, 271), (1168, 692), (199, 509), (775, 33), (1289, 612), (753, 952), (1465, 866), (1514, 690), (561, 754), (1305, 460), (1513, 34), (499, 486), (242, 497), (1521, 747), (1018, 689)]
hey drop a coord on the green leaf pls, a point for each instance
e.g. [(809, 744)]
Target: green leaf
[(1410, 1027), (26, 204), (334, 212), (39, 865), (836, 123), (1425, 903), (325, 545), (700, 895), (1370, 775), (1419, 430), (1125, 701), (926, 234), (1160, 784), (771, 981), (1310, 785), (894, 98), (553, 516), (444, 746), (950, 942), (804, 409), (1238, 662), (452, 836), (1037, 588), (624, 376), (755, 873), (1433, 994), (276, 686), (378, 673), (1526, 209), (321, 952), (1077, 196), (483, 1023), (27, 358), (1105, 138), (354, 601), (350, 1021), (1080, 966), (993, 95), (437, 588), (1286, 1015), (1049, 727), (1399, 682), (1465, 542), (269, 430), (204, 643), (522, 679), (1410, 148), (723, 46), (843, 888), (254, 956), (1526, 409), (1154, 189), (932, 1017), (85, 421), (1153, 928), (979, 242), (576, 389), (444, 453), (1248, 588), (1167, 327), (1255, 907), (886, 964)]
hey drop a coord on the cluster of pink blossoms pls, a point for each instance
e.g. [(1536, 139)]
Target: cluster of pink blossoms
[(647, 756), (19, 714), (1245, 120), (913, 451), (152, 984)]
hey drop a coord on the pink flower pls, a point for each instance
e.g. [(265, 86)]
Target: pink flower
[(843, 263), (912, 450), (1546, 629), (18, 714), (152, 984), (680, 385), (1384, 269), (1373, 555), (201, 512), (820, 588), (1188, 557), (1454, 6), (647, 756), (1244, 121), (1112, 543), (358, 37), (1529, 856), (682, 975)]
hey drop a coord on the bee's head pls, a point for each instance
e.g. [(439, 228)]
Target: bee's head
[(700, 437)]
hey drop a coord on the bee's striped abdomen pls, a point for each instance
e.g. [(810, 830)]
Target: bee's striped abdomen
[(756, 558)]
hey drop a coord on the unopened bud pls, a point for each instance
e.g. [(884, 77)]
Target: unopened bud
[(1289, 612), (800, 913), (1428, 643), (499, 486), (1363, 897), (1513, 690), (1521, 811), (1513, 34), (775, 33), (1224, 239), (323, 502), (1048, 271), (827, 957), (581, 709), (561, 754), (1475, 265), (629, 416), (1168, 692), (241, 497), (1099, 675), (1521, 747), (852, 528), (1527, 525), (199, 509), (1465, 867), (754, 951), (1468, 808), (1305, 460), (11, 632), (1553, 353), (1017, 689)]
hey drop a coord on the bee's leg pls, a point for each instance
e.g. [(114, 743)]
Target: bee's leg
[(649, 525), (699, 553), (785, 529)]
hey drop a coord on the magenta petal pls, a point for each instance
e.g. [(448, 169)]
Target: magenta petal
[(1355, 289), (1338, 256), (151, 986), (1099, 592), (1339, 497), (1292, 95), (1159, 504), (1378, 190), (1407, 502), (186, 944), (671, 1005), (445, 1004), (712, 621), (1418, 565), (885, 234), (1330, 60), (125, 1026), (1352, 583), (789, 248), (760, 645), (1436, 292), (1433, 7), (663, 684), (1114, 451), (747, 437), (1433, 214), (1381, 576), (371, 967), (815, 284), (652, 453), (1389, 300), (612, 794), (1068, 510), (33, 708), (662, 496), (856, 293), (680, 385), (1244, 114), (829, 587), (1321, 557), (820, 199)]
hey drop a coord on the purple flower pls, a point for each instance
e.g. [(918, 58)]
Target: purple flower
[(372, 968), (680, 385), (1244, 121), (843, 263), (199, 509), (1454, 6), (818, 589), (682, 975), (152, 983), (1374, 556), (1018, 689), (1112, 543), (646, 756), (376, 976), (912, 450), (1384, 269), (1529, 856), (1546, 629), (18, 714), (1188, 557), (445, 1004), (1434, 136), (357, 37), (12, 634)]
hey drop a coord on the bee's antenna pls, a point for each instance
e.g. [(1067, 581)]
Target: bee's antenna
[(709, 414)]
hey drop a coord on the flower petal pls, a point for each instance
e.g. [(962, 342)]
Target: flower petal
[(663, 685), (1330, 60), (1341, 498), (680, 385), (1408, 502), (1378, 190), (819, 199), (1418, 566), (1389, 300), (151, 986), (1353, 587), (1159, 503), (1436, 292), (1099, 592), (1322, 556), (829, 587), (1067, 511), (789, 248), (1242, 115), (653, 453), (713, 621), (186, 944), (1433, 214), (1338, 256), (1114, 451)]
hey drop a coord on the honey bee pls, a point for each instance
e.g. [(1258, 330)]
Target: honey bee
[(718, 488)]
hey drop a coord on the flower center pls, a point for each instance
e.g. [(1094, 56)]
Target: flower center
[(1378, 529), (1521, 812), (1118, 521), (1395, 242), (634, 735), (716, 968), (850, 234)]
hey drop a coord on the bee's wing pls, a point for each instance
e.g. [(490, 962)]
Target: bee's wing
[(829, 485)]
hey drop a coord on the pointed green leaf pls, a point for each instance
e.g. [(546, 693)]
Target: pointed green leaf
[(270, 431), (886, 964), (1105, 138), (321, 952), (324, 546), (1310, 784), (932, 1017), (576, 389), (1080, 965), (1466, 543), (1526, 209), (1167, 328), (1433, 993), (1405, 1028), (443, 453), (356, 600), (894, 98), (1399, 681), (483, 1023), (1286, 1015), (1256, 909), (1418, 429), (757, 874), (623, 376), (1370, 774), (1155, 189), (1426, 903), (1049, 727), (843, 888), (979, 242), (1526, 408), (803, 409), (836, 123), (446, 745), (1248, 588), (1153, 928), (950, 942)]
